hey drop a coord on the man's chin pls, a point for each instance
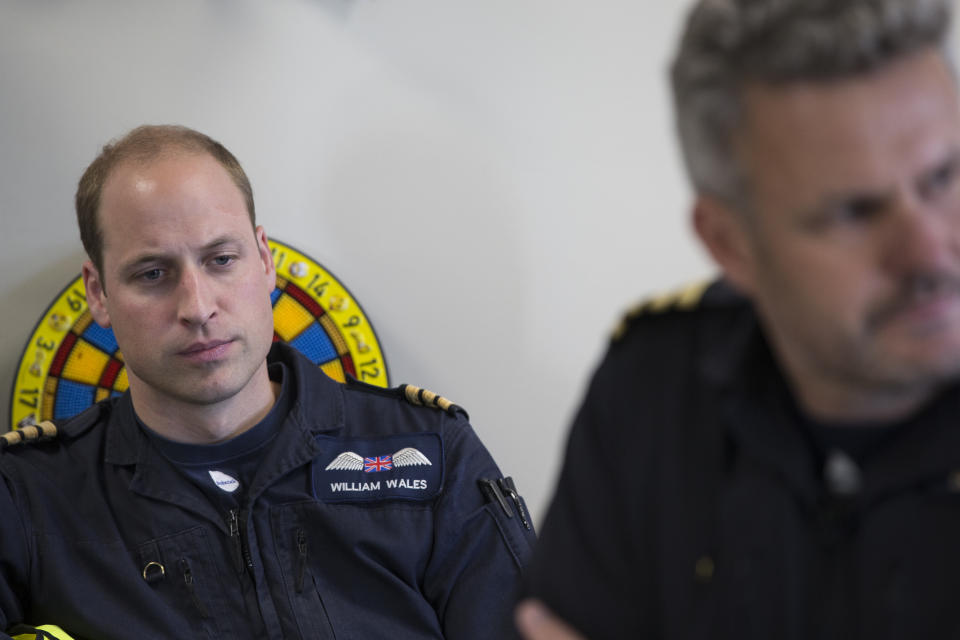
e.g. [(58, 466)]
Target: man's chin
[(205, 394), (923, 370)]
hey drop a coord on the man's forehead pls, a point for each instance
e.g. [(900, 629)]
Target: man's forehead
[(922, 75), (803, 142), (139, 165), (909, 98), (187, 197), (172, 174)]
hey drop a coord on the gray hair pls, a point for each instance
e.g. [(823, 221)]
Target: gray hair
[(728, 44)]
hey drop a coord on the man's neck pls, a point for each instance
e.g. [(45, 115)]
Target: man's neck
[(194, 423)]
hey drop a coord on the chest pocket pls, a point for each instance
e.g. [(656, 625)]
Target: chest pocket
[(180, 570), (356, 570)]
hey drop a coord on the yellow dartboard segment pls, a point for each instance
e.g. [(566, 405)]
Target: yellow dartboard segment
[(70, 362)]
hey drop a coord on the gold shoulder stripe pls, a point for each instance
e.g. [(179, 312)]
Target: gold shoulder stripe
[(682, 299), (41, 432), (424, 398)]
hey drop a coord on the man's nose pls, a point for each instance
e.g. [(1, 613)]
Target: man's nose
[(195, 300), (924, 239)]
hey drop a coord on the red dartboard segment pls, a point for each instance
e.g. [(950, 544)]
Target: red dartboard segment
[(303, 298), (62, 353), (110, 373)]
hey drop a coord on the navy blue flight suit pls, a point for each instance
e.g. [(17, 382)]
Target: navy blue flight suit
[(101, 535)]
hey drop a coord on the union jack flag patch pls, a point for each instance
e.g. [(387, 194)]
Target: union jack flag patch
[(352, 461), (379, 463)]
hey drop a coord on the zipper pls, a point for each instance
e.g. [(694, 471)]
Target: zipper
[(302, 564), (242, 549), (245, 544), (188, 580), (233, 522)]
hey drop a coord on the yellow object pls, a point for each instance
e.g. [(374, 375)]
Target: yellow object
[(425, 397), (682, 299), (290, 318), (43, 632)]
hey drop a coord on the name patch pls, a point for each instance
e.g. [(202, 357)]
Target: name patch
[(405, 467)]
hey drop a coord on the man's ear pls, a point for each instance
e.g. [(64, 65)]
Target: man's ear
[(96, 294), (266, 257), (728, 236)]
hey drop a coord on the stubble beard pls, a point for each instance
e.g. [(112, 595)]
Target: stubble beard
[(205, 384)]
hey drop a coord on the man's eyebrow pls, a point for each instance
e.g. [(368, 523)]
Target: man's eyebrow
[(147, 258), (219, 242), (150, 258)]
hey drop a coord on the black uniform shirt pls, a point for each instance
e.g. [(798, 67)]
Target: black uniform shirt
[(694, 502)]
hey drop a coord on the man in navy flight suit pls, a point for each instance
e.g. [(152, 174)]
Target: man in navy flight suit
[(226, 494)]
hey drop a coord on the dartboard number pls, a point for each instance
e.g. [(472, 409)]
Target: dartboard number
[(318, 289), (29, 397), (369, 370), (278, 257), (72, 299)]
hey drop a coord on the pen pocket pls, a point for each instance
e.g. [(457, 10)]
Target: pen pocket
[(179, 570), (511, 516)]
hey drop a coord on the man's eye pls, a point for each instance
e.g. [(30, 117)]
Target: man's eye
[(940, 180), (862, 209), (151, 275), (854, 212), (222, 261)]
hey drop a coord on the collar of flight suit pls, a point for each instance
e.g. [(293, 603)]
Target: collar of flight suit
[(318, 408)]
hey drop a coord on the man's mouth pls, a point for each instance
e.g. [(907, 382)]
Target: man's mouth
[(206, 351), (927, 301)]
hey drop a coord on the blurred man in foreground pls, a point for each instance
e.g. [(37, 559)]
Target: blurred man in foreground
[(778, 455)]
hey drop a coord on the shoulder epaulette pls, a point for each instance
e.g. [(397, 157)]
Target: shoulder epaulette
[(412, 395), (424, 398), (41, 432), (682, 299)]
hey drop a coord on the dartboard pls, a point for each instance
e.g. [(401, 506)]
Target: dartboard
[(70, 361)]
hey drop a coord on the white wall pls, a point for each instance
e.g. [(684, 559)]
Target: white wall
[(495, 181)]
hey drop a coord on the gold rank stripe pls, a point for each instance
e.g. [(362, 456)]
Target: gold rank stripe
[(681, 299), (45, 430), (425, 398)]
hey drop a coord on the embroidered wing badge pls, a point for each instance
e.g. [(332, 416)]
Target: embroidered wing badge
[(350, 461), (409, 457), (346, 461)]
